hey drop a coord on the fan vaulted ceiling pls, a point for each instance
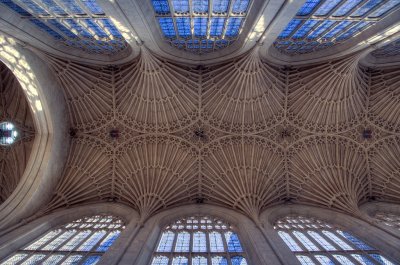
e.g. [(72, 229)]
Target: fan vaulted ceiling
[(246, 126)]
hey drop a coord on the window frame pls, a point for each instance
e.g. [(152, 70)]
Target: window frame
[(191, 254)]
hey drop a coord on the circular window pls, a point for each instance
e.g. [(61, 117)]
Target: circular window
[(8, 133)]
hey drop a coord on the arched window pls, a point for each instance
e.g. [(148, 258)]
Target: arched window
[(199, 240), (8, 133), (389, 219), (83, 241), (317, 242)]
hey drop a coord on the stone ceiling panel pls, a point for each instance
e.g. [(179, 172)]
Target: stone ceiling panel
[(328, 171)]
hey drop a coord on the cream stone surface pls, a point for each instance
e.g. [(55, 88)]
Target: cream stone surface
[(246, 134)]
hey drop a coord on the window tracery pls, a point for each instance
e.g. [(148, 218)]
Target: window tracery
[(81, 24), (320, 24), (82, 241), (199, 240), (316, 242), (201, 26)]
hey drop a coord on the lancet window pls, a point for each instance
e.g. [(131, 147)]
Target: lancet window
[(199, 240), (82, 241), (316, 242)]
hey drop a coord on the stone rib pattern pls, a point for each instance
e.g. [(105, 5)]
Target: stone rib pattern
[(243, 134)]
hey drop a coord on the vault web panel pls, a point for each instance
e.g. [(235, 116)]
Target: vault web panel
[(81, 24), (201, 26), (320, 24)]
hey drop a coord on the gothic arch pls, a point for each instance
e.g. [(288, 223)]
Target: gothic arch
[(51, 143)]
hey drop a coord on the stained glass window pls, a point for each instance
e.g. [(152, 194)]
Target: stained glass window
[(81, 24), (83, 241), (316, 242), (201, 26), (320, 24), (199, 240), (389, 50), (389, 219), (8, 133)]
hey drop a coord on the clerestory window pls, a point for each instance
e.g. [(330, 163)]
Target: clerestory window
[(317, 242), (199, 240), (82, 241)]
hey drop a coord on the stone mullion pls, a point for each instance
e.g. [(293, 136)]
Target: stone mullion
[(171, 253), (228, 16)]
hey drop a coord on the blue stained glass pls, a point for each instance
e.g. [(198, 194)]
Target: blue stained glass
[(73, 7), (233, 243), (346, 7), (181, 6), (326, 7), (293, 24), (161, 6), (200, 6), (34, 7), (362, 259), (15, 8), (356, 242), (354, 30), (91, 260), (371, 4), (308, 47), (391, 49), (233, 27), (93, 7), (217, 26), (53, 7), (111, 28), (222, 43), (390, 5), (308, 7), (305, 28), (106, 243), (240, 6), (325, 45), (321, 29), (219, 261), (183, 25), (220, 6), (167, 27), (200, 26), (46, 28), (179, 44), (62, 28), (96, 28), (337, 29), (238, 260), (79, 29), (382, 260)]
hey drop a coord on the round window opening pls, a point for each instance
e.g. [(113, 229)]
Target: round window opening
[(8, 133)]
